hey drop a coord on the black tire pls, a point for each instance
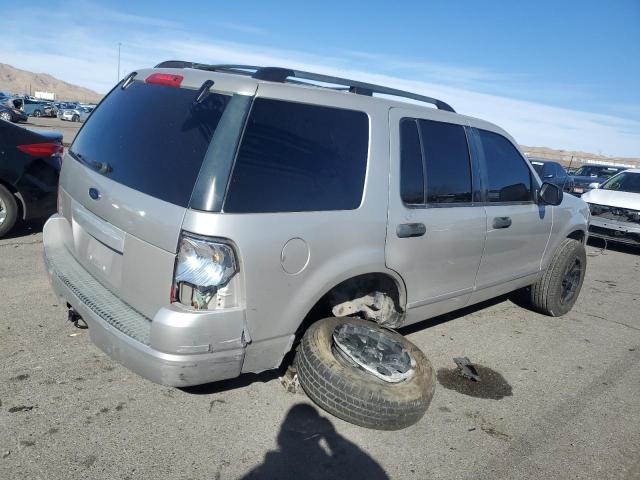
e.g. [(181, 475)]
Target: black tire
[(354, 395), (75, 118), (10, 210), (37, 113), (550, 295)]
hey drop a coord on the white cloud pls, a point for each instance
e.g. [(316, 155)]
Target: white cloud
[(85, 53)]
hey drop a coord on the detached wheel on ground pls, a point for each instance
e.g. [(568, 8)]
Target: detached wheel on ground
[(365, 374), (8, 211), (557, 290)]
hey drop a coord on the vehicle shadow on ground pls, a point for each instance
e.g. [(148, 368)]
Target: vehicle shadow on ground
[(515, 297), (242, 381), (309, 447), (24, 229)]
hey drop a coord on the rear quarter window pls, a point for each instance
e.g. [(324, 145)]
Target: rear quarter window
[(297, 157)]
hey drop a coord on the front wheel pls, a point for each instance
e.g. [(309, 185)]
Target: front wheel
[(556, 292), (37, 113), (75, 118), (6, 116)]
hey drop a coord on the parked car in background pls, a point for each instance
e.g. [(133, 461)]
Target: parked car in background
[(9, 114), (79, 114), (587, 175), (552, 172), (615, 208), (50, 110), (30, 106), (29, 169)]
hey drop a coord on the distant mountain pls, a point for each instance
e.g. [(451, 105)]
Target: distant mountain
[(21, 81)]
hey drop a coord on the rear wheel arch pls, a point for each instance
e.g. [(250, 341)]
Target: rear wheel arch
[(352, 288)]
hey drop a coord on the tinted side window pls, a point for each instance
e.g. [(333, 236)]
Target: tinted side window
[(447, 162), (509, 179), (411, 167), (296, 157)]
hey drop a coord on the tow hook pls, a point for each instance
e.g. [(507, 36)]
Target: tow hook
[(75, 318)]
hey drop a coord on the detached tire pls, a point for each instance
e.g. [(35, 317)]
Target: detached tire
[(354, 395), (8, 211), (556, 292)]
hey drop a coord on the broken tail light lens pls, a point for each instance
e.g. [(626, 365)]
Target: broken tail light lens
[(204, 269)]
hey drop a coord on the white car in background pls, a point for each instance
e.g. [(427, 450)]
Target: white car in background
[(79, 114), (615, 208)]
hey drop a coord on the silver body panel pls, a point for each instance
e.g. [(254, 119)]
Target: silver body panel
[(127, 241)]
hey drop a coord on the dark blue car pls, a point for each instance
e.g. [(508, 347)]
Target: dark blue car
[(588, 174), (553, 172)]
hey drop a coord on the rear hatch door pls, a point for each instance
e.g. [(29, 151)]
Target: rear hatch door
[(127, 181)]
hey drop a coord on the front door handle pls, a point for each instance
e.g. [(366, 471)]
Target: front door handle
[(406, 230), (502, 222)]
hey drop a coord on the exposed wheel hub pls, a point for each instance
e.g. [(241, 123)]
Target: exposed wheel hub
[(374, 352)]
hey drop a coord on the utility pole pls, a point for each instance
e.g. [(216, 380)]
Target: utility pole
[(118, 79)]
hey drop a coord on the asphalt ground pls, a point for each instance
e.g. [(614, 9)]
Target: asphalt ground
[(559, 398)]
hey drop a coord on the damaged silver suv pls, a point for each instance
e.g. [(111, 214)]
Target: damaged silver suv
[(237, 213)]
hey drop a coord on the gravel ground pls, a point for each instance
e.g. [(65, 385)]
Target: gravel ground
[(559, 397)]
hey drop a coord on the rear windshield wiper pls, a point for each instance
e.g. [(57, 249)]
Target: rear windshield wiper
[(203, 92), (99, 167)]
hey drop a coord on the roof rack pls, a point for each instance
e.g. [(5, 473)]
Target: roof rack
[(278, 74)]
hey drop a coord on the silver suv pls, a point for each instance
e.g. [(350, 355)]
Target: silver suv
[(200, 235)]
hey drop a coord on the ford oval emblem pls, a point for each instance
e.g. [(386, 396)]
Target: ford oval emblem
[(94, 193)]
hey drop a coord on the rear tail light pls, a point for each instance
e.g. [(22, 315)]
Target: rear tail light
[(166, 79), (48, 149), (205, 274)]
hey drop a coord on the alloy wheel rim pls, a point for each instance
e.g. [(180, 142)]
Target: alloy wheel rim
[(571, 281)]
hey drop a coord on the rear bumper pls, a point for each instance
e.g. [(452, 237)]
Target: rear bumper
[(172, 349)]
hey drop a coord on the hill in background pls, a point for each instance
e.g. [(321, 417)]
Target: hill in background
[(23, 82)]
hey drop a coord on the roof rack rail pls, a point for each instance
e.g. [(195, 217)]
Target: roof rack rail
[(278, 74)]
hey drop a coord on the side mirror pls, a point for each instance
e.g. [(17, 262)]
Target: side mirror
[(550, 194), (594, 185)]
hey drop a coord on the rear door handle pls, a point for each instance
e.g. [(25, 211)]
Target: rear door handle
[(406, 230), (501, 222)]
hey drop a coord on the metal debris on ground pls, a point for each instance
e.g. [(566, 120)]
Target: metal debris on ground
[(466, 368), (290, 380)]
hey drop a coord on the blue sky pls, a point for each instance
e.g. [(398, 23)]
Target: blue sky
[(557, 74)]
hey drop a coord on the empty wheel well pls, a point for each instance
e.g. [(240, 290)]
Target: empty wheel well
[(577, 235), (351, 289)]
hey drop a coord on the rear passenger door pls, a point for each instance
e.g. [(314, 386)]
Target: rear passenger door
[(517, 227), (436, 229)]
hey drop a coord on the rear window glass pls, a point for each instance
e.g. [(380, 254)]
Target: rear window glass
[(296, 157), (151, 138), (447, 159)]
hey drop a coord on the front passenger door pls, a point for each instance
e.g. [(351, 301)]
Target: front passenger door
[(518, 228)]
